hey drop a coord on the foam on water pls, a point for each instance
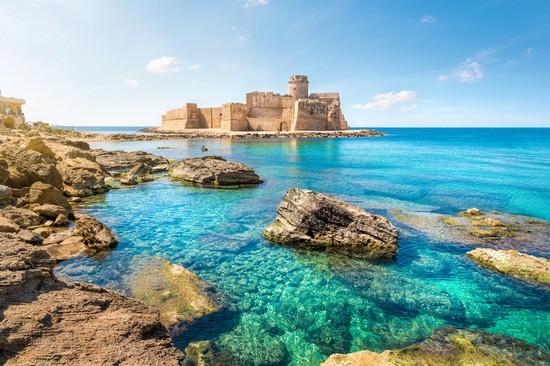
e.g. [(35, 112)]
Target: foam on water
[(296, 307)]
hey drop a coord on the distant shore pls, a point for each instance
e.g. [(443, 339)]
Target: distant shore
[(159, 134)]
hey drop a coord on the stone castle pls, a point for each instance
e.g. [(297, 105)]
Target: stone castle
[(265, 111)]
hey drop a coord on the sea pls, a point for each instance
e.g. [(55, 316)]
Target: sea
[(288, 306)]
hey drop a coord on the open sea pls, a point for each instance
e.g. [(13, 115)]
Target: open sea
[(296, 307)]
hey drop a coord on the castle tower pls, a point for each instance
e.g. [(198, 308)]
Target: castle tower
[(298, 86)]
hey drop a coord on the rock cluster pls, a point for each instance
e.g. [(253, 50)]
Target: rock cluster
[(452, 346), (312, 219), (214, 171)]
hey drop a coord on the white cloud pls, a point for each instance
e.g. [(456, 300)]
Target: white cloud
[(169, 64), (383, 101), (241, 39), (163, 64), (468, 71), (529, 52), (251, 3), (409, 107), (130, 82), (428, 19)]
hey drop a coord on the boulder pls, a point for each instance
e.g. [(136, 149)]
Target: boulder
[(47, 210), (123, 161), (35, 143), (8, 226), (30, 237), (82, 177), (42, 193), (22, 216), (96, 235), (46, 321), (215, 171), (179, 294), (312, 219), (452, 346), (26, 167), (66, 249), (513, 263)]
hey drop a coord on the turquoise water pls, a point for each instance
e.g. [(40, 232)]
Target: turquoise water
[(294, 307)]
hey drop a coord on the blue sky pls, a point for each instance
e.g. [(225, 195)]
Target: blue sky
[(395, 63)]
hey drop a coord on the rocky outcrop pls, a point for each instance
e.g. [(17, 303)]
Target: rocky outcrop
[(123, 161), (214, 171), (46, 321), (179, 294), (452, 346), (312, 219), (513, 263)]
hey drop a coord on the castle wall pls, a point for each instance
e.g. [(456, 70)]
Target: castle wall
[(211, 117), (264, 124), (264, 105), (309, 115), (234, 117)]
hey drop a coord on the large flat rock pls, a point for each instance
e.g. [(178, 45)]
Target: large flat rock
[(313, 219), (214, 171)]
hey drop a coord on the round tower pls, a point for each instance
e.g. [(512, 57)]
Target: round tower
[(298, 86)]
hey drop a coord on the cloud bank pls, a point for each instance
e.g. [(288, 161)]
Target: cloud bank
[(383, 101)]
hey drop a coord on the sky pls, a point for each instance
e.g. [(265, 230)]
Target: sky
[(395, 63)]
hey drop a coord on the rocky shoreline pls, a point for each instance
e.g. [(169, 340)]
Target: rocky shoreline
[(150, 134)]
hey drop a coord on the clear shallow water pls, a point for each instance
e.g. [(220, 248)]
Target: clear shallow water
[(297, 307)]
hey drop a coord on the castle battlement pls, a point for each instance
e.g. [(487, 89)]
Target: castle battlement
[(265, 111)]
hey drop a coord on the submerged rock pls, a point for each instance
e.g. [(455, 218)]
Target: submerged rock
[(205, 353), (312, 219), (179, 294), (452, 346), (215, 171), (513, 263), (46, 321), (492, 229)]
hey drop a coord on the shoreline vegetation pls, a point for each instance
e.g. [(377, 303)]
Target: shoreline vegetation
[(44, 173)]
